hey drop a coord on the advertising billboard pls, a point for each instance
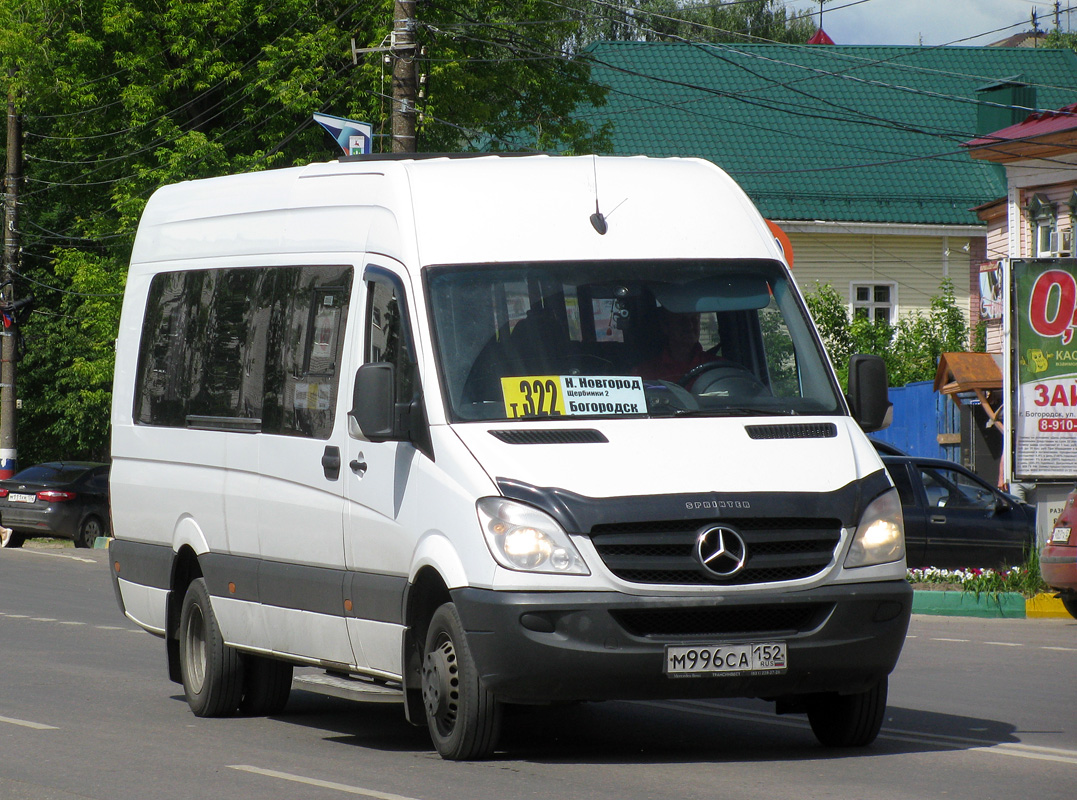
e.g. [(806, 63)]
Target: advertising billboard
[(1043, 367)]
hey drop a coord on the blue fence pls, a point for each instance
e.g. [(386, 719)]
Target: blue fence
[(920, 415)]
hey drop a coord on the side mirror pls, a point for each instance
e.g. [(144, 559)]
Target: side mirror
[(374, 402), (868, 392)]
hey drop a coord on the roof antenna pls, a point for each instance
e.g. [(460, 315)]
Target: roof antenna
[(598, 222)]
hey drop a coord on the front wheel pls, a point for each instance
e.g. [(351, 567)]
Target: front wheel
[(851, 720), (463, 717), (211, 671)]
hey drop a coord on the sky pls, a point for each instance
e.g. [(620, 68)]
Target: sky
[(932, 22)]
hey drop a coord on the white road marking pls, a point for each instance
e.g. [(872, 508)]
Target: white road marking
[(1061, 649), (340, 787), (939, 639), (35, 552), (1006, 644), (37, 726)]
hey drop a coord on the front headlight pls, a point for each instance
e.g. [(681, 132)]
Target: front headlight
[(880, 536), (523, 538)]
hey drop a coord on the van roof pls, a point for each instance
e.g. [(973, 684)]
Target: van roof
[(454, 210)]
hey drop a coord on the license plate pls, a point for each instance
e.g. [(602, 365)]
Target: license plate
[(1060, 535), (22, 498), (756, 658)]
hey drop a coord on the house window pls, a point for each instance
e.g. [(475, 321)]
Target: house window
[(874, 301), (1043, 219)]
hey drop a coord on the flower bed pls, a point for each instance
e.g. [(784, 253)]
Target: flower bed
[(1024, 580)]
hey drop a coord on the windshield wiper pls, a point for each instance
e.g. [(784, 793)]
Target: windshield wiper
[(738, 411)]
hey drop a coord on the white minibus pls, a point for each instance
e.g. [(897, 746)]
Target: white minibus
[(476, 431)]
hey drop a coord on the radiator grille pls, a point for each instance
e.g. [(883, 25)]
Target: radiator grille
[(778, 549)]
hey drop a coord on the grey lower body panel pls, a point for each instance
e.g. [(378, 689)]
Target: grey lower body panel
[(534, 647)]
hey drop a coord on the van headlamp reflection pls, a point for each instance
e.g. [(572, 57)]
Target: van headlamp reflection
[(523, 538)]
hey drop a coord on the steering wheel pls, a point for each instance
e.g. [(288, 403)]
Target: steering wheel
[(735, 380)]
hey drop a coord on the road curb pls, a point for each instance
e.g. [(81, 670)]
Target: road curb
[(1046, 606), (1010, 605), (1003, 605)]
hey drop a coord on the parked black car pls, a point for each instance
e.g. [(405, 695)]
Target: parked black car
[(66, 499), (955, 519)]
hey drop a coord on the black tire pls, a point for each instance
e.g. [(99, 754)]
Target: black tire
[(267, 683), (211, 671), (1069, 602), (464, 718), (89, 530), (851, 720), (13, 540)]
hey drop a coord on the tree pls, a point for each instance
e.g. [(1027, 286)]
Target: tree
[(1061, 39), (122, 96), (910, 348), (693, 20)]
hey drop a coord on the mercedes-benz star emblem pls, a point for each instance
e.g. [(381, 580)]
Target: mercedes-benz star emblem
[(721, 551)]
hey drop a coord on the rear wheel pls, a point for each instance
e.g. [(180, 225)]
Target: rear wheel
[(267, 683), (90, 529), (211, 671), (851, 720), (463, 717), (1069, 602)]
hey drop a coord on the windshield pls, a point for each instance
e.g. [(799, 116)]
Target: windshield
[(625, 339)]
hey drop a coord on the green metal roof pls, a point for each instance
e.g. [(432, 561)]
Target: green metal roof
[(851, 133)]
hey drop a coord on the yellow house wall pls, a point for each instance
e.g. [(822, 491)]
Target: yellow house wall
[(917, 265)]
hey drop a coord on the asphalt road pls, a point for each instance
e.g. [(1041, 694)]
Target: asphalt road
[(978, 709)]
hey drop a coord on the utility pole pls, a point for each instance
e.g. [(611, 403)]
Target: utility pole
[(8, 331), (404, 83)]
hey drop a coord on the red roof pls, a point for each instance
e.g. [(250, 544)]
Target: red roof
[(820, 37), (1033, 126)]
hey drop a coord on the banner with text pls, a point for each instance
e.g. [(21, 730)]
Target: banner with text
[(1044, 401)]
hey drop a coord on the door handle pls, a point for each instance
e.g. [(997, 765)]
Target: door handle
[(358, 465), (938, 520), (331, 462)]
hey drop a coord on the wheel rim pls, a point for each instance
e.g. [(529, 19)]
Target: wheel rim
[(194, 650), (441, 686), (91, 529)]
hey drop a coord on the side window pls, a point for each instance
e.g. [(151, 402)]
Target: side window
[(162, 386), (900, 475), (952, 489), (251, 350), (304, 339), (388, 332)]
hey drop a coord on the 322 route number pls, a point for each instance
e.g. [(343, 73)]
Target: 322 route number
[(536, 397)]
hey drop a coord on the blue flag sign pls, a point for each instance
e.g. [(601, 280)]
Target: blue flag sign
[(353, 137)]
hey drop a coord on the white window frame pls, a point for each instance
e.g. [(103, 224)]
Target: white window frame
[(872, 305), (1043, 217)]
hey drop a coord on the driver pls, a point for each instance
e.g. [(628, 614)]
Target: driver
[(682, 351)]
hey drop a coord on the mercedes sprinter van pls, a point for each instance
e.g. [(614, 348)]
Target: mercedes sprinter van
[(478, 431)]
